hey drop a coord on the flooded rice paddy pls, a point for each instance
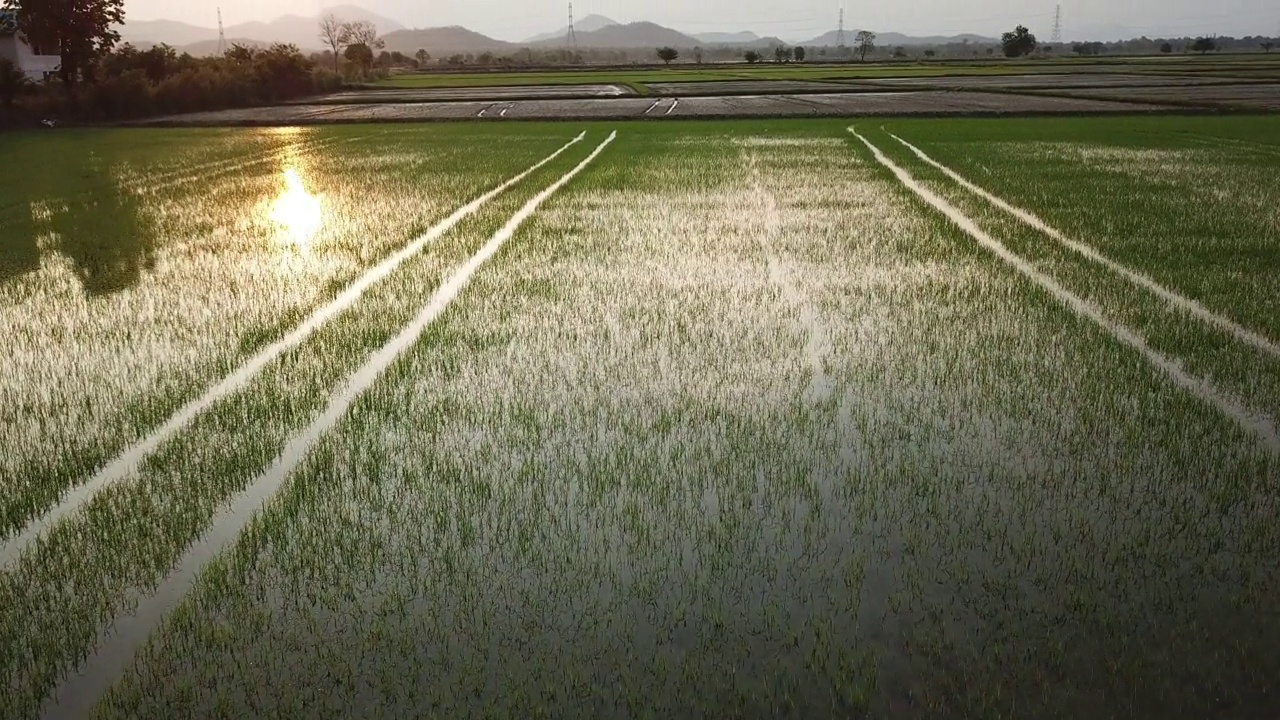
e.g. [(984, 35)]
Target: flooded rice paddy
[(926, 419)]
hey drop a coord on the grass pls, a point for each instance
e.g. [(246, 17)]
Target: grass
[(736, 425)]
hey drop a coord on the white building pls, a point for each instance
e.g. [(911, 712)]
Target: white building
[(34, 60)]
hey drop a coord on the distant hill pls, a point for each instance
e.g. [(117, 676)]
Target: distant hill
[(590, 23), (891, 39), (445, 41), (299, 30), (153, 32), (631, 35), (727, 38)]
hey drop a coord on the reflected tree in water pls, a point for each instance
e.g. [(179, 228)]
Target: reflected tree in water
[(77, 200)]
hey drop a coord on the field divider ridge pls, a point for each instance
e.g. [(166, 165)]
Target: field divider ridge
[(1261, 426), (128, 461), (81, 689), (1172, 297)]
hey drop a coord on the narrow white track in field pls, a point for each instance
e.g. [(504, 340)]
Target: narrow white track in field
[(674, 103), (654, 106), (1170, 296), (129, 460), (81, 690), (1260, 425)]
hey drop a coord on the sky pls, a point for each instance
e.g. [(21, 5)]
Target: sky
[(789, 19)]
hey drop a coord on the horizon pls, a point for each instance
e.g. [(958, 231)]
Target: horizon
[(797, 22)]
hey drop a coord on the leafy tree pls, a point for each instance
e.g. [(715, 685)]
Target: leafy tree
[(422, 57), (1267, 46), (12, 81), (667, 54), (1166, 48), (333, 34), (359, 55), (82, 30), (799, 53), (1018, 43), (930, 53), (865, 41), (697, 55), (781, 54), (1203, 45), (751, 56), (899, 52)]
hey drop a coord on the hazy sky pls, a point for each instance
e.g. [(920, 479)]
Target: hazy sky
[(789, 19)]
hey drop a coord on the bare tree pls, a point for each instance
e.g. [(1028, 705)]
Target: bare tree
[(363, 33), (333, 34)]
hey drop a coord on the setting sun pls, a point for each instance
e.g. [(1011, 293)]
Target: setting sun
[(296, 210)]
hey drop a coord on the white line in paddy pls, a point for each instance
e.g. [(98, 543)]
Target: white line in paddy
[(78, 693), (655, 104), (1261, 426), (504, 111), (674, 103), (1173, 298), (132, 457)]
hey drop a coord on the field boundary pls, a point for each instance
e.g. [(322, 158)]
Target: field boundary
[(129, 459), (78, 693), (1170, 296), (1259, 425)]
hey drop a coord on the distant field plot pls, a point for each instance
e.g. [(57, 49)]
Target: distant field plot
[(1261, 97), (773, 418), (473, 93), (819, 71)]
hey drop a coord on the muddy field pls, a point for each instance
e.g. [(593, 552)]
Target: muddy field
[(1239, 97), (1046, 81), (927, 102), (476, 93)]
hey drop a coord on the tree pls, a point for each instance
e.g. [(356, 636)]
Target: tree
[(12, 81), (930, 53), (781, 54), (751, 56), (422, 57), (667, 54), (1267, 46), (1018, 43), (333, 33), (360, 55), (865, 41), (799, 53), (82, 30), (1203, 45), (1166, 48), (362, 33), (697, 55), (899, 52)]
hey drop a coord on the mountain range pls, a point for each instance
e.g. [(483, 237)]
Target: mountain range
[(593, 31)]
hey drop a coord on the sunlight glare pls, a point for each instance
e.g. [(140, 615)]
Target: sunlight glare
[(296, 210)]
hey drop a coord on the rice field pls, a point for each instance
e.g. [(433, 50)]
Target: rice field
[(901, 418)]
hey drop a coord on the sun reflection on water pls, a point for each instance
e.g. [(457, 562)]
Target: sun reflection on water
[(297, 212)]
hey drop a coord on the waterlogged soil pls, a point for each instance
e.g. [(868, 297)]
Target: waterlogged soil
[(733, 425)]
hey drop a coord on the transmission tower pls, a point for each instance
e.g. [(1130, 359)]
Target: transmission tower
[(222, 36), (573, 36), (1057, 25), (840, 31)]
